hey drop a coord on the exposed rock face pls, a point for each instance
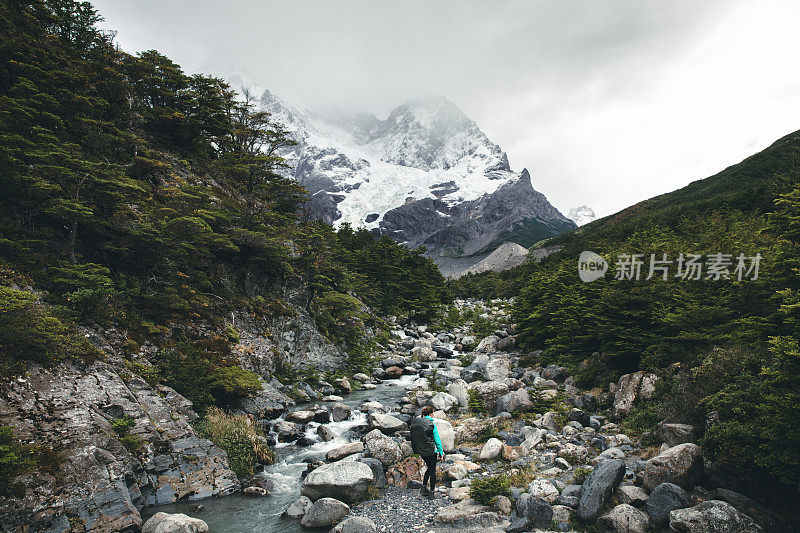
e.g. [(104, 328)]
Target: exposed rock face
[(294, 340), (581, 215), (632, 388), (268, 403), (346, 480), (100, 482), (712, 516), (681, 465)]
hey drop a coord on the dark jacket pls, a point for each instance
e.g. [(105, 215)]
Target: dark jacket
[(424, 437)]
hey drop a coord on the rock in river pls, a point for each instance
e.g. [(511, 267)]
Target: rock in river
[(346, 480)]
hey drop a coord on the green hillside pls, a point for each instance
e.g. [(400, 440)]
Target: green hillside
[(727, 346)]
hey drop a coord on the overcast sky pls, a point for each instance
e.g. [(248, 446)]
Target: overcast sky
[(606, 103)]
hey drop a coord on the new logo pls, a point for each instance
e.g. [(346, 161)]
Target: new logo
[(591, 266)]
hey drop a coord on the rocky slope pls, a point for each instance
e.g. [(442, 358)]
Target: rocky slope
[(426, 175), (565, 456), (106, 477)]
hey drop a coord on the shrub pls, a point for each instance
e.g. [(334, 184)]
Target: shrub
[(29, 331), (757, 434), (580, 475), (484, 490), (87, 289), (482, 327), (122, 427), (17, 458), (466, 359), (475, 402), (203, 372), (241, 439)]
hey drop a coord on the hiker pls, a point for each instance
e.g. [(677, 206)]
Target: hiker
[(425, 441)]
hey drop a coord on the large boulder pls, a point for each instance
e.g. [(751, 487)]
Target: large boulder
[(382, 448), (490, 450), (355, 524), (681, 465), (325, 512), (712, 516), (488, 344), (506, 344), (514, 402), (537, 511), (767, 519), (631, 494), (597, 489), (443, 401), (458, 388), (466, 514), (446, 433), (378, 471), (674, 434), (386, 423), (423, 354), (340, 411), (630, 389), (555, 372), (543, 489), (346, 480), (344, 450), (490, 392), (497, 369), (174, 523), (665, 498), (625, 518)]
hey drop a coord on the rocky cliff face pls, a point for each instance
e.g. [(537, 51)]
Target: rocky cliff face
[(426, 175), (100, 485)]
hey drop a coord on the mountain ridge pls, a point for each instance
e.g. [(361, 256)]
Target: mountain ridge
[(425, 176)]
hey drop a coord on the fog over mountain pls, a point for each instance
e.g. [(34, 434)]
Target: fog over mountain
[(587, 94), (426, 175)]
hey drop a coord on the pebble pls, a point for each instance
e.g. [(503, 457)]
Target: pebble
[(402, 509)]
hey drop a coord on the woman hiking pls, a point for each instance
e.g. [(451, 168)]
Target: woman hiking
[(425, 441)]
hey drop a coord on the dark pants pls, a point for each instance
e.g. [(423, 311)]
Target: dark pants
[(430, 473)]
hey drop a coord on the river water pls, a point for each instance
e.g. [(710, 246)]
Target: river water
[(239, 514)]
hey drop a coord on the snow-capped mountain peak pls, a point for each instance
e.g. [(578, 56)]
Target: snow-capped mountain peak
[(581, 215), (426, 174), (357, 166)]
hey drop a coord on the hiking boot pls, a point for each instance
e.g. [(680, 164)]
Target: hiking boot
[(431, 495), (424, 491)]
